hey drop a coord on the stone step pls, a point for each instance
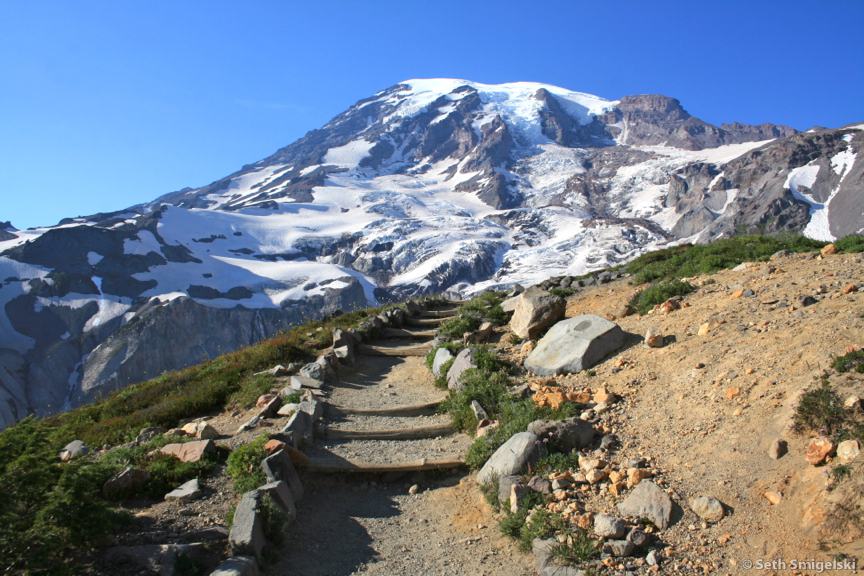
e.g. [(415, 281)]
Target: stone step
[(414, 433), (427, 321), (405, 410), (338, 466), (409, 334), (444, 313), (417, 350)]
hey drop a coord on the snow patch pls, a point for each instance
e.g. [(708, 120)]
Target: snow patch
[(350, 155)]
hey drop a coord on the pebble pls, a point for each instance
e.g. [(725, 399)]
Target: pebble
[(707, 508), (778, 449), (848, 450), (414, 489), (773, 497)]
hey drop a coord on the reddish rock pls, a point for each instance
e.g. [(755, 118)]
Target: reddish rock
[(849, 288), (828, 250), (818, 450), (189, 451), (264, 399), (273, 446)]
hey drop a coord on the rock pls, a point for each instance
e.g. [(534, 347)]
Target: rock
[(268, 405), (807, 300), (505, 485), (586, 464), (479, 412), (187, 491), (237, 566), (607, 526), (442, 356), (773, 497), (148, 434), (653, 338), (518, 493), (526, 348), (818, 450), (280, 493), (535, 311), (651, 558), (704, 329), (603, 396), (414, 489), (189, 451), (247, 529), (540, 485), (511, 458), (596, 476), (707, 508), (564, 435), (778, 449), (125, 484), (647, 500), (485, 427), (638, 537), (575, 344), (828, 250), (848, 450), (312, 407), (74, 449), (618, 548), (853, 403), (314, 371), (636, 475), (263, 400), (608, 442), (849, 288), (300, 428), (287, 409), (278, 466), (509, 305), (201, 430), (249, 424), (273, 445), (463, 361), (483, 332)]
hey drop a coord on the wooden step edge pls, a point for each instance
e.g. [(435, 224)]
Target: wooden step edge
[(405, 410), (415, 433), (420, 350), (335, 466), (402, 333)]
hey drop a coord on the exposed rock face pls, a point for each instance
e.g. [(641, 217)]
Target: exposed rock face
[(535, 311), (429, 186), (649, 501), (511, 458)]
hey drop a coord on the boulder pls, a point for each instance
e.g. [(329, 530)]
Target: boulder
[(618, 548), (74, 449), (148, 434), (647, 500), (575, 344), (564, 435), (311, 407), (442, 356), (707, 508), (463, 361), (189, 451), (479, 411), (247, 529), (607, 526), (848, 450), (511, 458), (535, 311), (280, 493), (125, 483), (200, 429), (237, 566), (509, 305), (818, 450), (278, 466), (300, 428), (187, 491)]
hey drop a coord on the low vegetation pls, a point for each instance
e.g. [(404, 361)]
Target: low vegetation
[(484, 308), (821, 410), (850, 362), (244, 465), (51, 513), (644, 300)]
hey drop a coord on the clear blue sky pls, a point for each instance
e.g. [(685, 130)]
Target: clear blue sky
[(104, 104)]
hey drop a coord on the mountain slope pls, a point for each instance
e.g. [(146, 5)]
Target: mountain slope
[(428, 186)]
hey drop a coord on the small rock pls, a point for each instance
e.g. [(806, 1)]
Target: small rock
[(607, 526), (189, 451), (636, 475), (263, 400), (596, 476), (647, 500), (651, 558), (849, 289), (852, 403), (288, 409), (272, 446), (479, 412), (704, 329), (778, 449), (773, 497), (185, 492), (414, 489), (148, 434), (807, 300), (74, 449), (512, 457), (125, 483), (848, 450), (818, 450), (653, 338), (707, 508), (618, 548), (638, 537), (442, 356), (828, 250), (541, 485)]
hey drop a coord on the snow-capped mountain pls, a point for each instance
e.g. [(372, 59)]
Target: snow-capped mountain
[(428, 186)]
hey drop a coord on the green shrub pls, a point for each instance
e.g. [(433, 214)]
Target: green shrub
[(562, 292), (250, 390), (820, 409), (541, 524), (484, 308), (644, 300), (557, 462), (293, 398), (487, 388), (578, 548), (853, 361), (691, 260), (851, 243), (244, 465), (490, 493)]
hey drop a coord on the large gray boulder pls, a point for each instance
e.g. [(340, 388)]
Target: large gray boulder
[(511, 458), (535, 311), (278, 466), (575, 344), (237, 566), (647, 500), (442, 356), (463, 361)]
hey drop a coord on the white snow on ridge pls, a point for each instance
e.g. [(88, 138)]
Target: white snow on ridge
[(818, 226), (350, 155)]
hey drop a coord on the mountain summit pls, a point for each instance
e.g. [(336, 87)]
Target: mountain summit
[(429, 186)]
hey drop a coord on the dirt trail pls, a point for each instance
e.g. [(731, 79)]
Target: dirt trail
[(365, 524)]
